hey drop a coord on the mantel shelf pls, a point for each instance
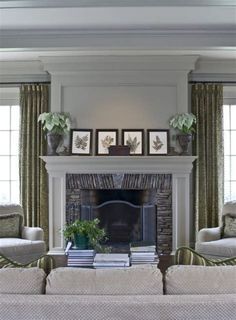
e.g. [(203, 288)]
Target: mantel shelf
[(119, 164)]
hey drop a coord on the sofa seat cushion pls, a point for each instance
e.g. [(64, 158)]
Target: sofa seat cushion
[(225, 247), (181, 279), (14, 248), (22, 281), (136, 280)]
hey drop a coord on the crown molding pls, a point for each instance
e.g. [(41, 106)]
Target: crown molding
[(145, 39), (112, 3)]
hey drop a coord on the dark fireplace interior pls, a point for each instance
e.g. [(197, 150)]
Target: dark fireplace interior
[(128, 216)]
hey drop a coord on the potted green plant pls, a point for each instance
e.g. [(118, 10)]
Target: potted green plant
[(184, 122), (56, 124), (85, 234)]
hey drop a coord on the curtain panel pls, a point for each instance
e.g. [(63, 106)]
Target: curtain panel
[(34, 99), (207, 105)]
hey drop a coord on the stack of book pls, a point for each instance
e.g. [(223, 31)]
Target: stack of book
[(111, 260), (80, 258), (143, 255)]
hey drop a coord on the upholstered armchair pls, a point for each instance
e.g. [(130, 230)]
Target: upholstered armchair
[(220, 242), (17, 242)]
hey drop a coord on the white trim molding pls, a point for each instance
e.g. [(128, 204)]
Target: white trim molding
[(112, 3)]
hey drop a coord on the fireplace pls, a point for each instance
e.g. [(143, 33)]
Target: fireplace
[(131, 207), (173, 208)]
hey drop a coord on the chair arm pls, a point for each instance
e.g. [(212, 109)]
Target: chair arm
[(32, 233), (209, 234)]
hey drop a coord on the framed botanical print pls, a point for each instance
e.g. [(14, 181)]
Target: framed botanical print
[(158, 141), (81, 142), (134, 138), (104, 139)]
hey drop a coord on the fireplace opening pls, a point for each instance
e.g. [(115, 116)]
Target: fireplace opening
[(127, 216)]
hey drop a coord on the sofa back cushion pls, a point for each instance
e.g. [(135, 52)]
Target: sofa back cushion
[(181, 279), (22, 280), (138, 280)]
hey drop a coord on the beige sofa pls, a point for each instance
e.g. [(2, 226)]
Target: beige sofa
[(18, 242), (191, 292)]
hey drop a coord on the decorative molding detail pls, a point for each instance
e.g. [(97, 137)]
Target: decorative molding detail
[(111, 3), (135, 63)]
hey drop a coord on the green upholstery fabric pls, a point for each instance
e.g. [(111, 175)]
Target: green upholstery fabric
[(46, 262), (187, 256), (11, 225), (229, 226)]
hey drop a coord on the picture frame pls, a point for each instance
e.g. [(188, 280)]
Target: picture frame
[(104, 139), (81, 142), (134, 138), (157, 142)]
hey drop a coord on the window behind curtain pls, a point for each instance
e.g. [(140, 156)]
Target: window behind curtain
[(229, 113), (9, 145)]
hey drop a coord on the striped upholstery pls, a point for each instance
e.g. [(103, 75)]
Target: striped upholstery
[(187, 256), (45, 262)]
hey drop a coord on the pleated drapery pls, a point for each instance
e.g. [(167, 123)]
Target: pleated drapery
[(207, 105), (34, 99)]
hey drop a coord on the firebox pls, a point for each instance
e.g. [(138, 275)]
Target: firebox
[(126, 215)]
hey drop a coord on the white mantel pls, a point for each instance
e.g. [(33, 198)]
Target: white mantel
[(179, 166)]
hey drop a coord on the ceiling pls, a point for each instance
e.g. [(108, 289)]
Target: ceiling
[(30, 29)]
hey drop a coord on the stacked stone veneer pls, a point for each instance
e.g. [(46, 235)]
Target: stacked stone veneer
[(162, 183)]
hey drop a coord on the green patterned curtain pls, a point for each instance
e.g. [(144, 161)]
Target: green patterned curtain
[(207, 102), (34, 99)]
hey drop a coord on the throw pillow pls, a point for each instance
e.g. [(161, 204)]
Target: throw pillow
[(229, 226), (187, 256), (10, 225), (46, 262)]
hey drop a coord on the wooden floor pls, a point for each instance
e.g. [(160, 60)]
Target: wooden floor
[(165, 261)]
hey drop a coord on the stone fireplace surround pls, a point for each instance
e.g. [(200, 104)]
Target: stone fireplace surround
[(159, 184), (178, 166)]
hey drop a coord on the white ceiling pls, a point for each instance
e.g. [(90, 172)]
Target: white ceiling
[(28, 32)]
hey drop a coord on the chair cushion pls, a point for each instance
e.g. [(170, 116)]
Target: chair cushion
[(187, 256), (135, 280), (15, 248), (200, 280), (11, 225), (22, 281), (225, 247)]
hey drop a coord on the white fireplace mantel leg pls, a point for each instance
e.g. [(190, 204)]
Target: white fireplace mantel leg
[(180, 211), (57, 211)]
